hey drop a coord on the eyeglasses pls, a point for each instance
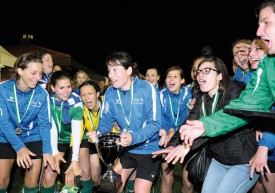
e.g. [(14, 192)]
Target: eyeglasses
[(205, 71)]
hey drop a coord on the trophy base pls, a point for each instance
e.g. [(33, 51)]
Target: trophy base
[(109, 187)]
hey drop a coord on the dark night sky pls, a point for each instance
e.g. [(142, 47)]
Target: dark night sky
[(156, 33)]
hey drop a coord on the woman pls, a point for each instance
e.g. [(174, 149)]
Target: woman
[(67, 113), (174, 99), (25, 123), (153, 76), (134, 104), (229, 169), (265, 155), (47, 68), (90, 95), (79, 77)]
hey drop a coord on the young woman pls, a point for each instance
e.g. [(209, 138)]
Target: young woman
[(134, 104), (90, 95), (47, 68), (67, 113), (174, 99), (25, 123), (79, 77), (153, 76), (229, 169)]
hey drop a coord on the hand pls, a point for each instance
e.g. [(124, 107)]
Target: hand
[(259, 135), (125, 138), (177, 153), (163, 137), (192, 103), (92, 135), (69, 177), (48, 158), (191, 131), (162, 151), (58, 158), (171, 133), (259, 161), (23, 157), (75, 167)]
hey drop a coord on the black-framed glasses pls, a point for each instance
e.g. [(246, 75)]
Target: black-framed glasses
[(205, 71)]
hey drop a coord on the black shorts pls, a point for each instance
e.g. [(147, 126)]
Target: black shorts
[(146, 167), (7, 152), (63, 147), (271, 165), (92, 148)]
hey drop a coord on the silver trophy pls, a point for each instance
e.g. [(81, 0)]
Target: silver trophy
[(109, 152)]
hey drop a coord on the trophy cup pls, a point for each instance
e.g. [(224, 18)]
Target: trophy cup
[(109, 152)]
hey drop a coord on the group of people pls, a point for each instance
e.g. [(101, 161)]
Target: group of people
[(44, 115)]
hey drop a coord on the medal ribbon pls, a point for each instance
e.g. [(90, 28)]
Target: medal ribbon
[(214, 104), (172, 111), (16, 105), (128, 121)]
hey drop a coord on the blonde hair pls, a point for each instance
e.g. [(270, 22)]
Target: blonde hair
[(86, 77)]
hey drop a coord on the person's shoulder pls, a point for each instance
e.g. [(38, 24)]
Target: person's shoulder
[(7, 84), (41, 90)]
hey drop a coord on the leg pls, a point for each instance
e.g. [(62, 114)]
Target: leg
[(167, 177), (95, 169), (268, 182), (237, 180), (5, 168), (258, 187), (84, 162), (187, 186), (124, 177), (142, 185), (32, 175)]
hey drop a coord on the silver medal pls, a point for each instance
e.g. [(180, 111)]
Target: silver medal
[(18, 131)]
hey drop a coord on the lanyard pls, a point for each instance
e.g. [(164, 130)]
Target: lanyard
[(128, 121), (16, 105), (172, 111), (55, 113), (214, 104), (90, 118)]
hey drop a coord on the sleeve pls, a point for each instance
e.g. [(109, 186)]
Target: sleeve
[(6, 126), (106, 120), (76, 133), (54, 139), (255, 96), (153, 118), (268, 140), (44, 117)]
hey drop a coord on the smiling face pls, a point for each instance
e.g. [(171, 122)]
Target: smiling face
[(89, 97), (240, 53), (62, 89), (30, 76), (257, 51), (209, 82), (152, 76), (266, 29), (47, 64), (174, 81)]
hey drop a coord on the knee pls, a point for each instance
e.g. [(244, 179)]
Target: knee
[(4, 182)]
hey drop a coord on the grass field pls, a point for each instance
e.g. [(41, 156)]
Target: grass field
[(17, 181)]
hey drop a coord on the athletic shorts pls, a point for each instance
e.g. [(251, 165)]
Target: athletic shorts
[(7, 152), (271, 165), (92, 148), (146, 167)]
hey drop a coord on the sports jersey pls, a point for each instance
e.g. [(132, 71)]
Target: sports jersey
[(137, 110), (34, 113)]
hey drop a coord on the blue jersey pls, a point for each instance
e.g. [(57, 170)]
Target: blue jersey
[(36, 123), (174, 107), (243, 77), (142, 109)]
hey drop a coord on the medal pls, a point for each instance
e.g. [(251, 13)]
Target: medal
[(18, 131)]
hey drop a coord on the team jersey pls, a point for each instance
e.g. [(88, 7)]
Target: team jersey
[(34, 112), (137, 110)]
